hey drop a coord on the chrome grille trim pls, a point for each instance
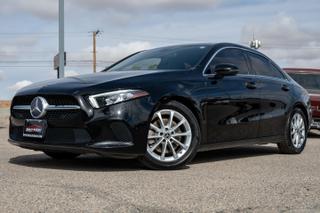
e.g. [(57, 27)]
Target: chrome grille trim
[(21, 107), (63, 107), (50, 107)]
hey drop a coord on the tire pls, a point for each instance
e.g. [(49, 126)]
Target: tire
[(295, 137), (61, 155), (172, 142)]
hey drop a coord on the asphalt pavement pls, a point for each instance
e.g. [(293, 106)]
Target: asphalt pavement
[(246, 179)]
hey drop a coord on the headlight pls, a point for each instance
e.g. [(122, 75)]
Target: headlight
[(110, 98)]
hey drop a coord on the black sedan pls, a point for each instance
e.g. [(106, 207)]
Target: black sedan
[(164, 105)]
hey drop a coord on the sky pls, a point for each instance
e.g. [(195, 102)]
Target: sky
[(289, 31)]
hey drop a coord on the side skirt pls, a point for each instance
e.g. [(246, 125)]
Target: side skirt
[(230, 144)]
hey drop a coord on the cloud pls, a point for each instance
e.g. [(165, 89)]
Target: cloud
[(47, 9), (282, 30), (135, 5), (111, 54), (286, 41), (114, 53), (19, 85), (1, 75), (8, 51), (13, 48)]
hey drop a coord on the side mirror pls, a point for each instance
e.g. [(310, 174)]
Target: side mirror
[(221, 70)]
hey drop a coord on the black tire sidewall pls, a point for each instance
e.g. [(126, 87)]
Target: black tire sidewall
[(289, 140), (189, 155)]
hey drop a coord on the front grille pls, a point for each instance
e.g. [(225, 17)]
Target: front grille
[(62, 118), (52, 100), (55, 118)]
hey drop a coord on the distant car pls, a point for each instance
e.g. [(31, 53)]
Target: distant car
[(164, 105), (310, 80)]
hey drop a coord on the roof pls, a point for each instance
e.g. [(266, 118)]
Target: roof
[(216, 45)]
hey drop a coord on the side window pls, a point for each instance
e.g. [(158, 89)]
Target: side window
[(263, 67), (232, 56), (276, 71)]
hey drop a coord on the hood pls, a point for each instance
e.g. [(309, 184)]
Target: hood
[(74, 84)]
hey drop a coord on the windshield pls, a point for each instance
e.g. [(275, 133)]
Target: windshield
[(308, 81), (168, 58)]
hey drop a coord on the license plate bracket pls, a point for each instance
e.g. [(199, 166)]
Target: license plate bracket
[(35, 128)]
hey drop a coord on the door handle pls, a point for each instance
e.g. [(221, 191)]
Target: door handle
[(251, 85), (285, 87)]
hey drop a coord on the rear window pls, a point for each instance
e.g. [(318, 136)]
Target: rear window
[(308, 81), (264, 67)]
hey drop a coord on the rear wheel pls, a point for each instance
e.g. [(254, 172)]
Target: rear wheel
[(61, 155), (173, 137), (296, 134)]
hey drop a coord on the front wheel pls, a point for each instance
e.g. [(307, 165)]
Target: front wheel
[(173, 137), (296, 134)]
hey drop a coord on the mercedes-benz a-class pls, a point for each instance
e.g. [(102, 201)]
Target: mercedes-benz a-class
[(164, 105)]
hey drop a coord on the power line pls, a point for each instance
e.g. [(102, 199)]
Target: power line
[(109, 35), (50, 61), (130, 37), (5, 53), (290, 47), (39, 33)]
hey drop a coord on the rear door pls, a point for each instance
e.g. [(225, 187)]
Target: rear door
[(275, 95)]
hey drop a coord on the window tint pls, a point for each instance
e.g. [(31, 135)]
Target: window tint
[(167, 58), (146, 64), (262, 66), (232, 56), (277, 71)]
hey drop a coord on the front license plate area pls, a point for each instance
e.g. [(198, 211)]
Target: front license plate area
[(34, 128), (316, 124)]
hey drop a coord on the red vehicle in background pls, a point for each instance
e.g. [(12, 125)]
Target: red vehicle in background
[(310, 80)]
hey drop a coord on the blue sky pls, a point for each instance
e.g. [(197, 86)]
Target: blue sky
[(289, 31)]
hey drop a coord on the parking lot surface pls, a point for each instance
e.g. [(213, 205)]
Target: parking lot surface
[(246, 179)]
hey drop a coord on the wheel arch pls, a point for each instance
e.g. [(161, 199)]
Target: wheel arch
[(189, 103), (303, 109)]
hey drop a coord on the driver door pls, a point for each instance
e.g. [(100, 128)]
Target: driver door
[(237, 116)]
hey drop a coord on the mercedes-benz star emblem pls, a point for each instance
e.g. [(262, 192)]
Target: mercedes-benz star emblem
[(38, 107)]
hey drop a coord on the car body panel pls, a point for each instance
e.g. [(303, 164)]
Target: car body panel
[(313, 93), (275, 106), (233, 113), (227, 110)]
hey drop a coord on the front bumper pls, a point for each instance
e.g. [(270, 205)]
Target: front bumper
[(116, 131), (108, 149)]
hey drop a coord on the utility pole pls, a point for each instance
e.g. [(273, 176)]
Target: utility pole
[(94, 36), (61, 39)]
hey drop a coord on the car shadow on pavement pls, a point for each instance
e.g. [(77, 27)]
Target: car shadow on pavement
[(234, 153), (83, 163), (100, 164), (314, 134)]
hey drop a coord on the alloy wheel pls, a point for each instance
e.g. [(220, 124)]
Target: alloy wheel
[(297, 130), (169, 136)]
